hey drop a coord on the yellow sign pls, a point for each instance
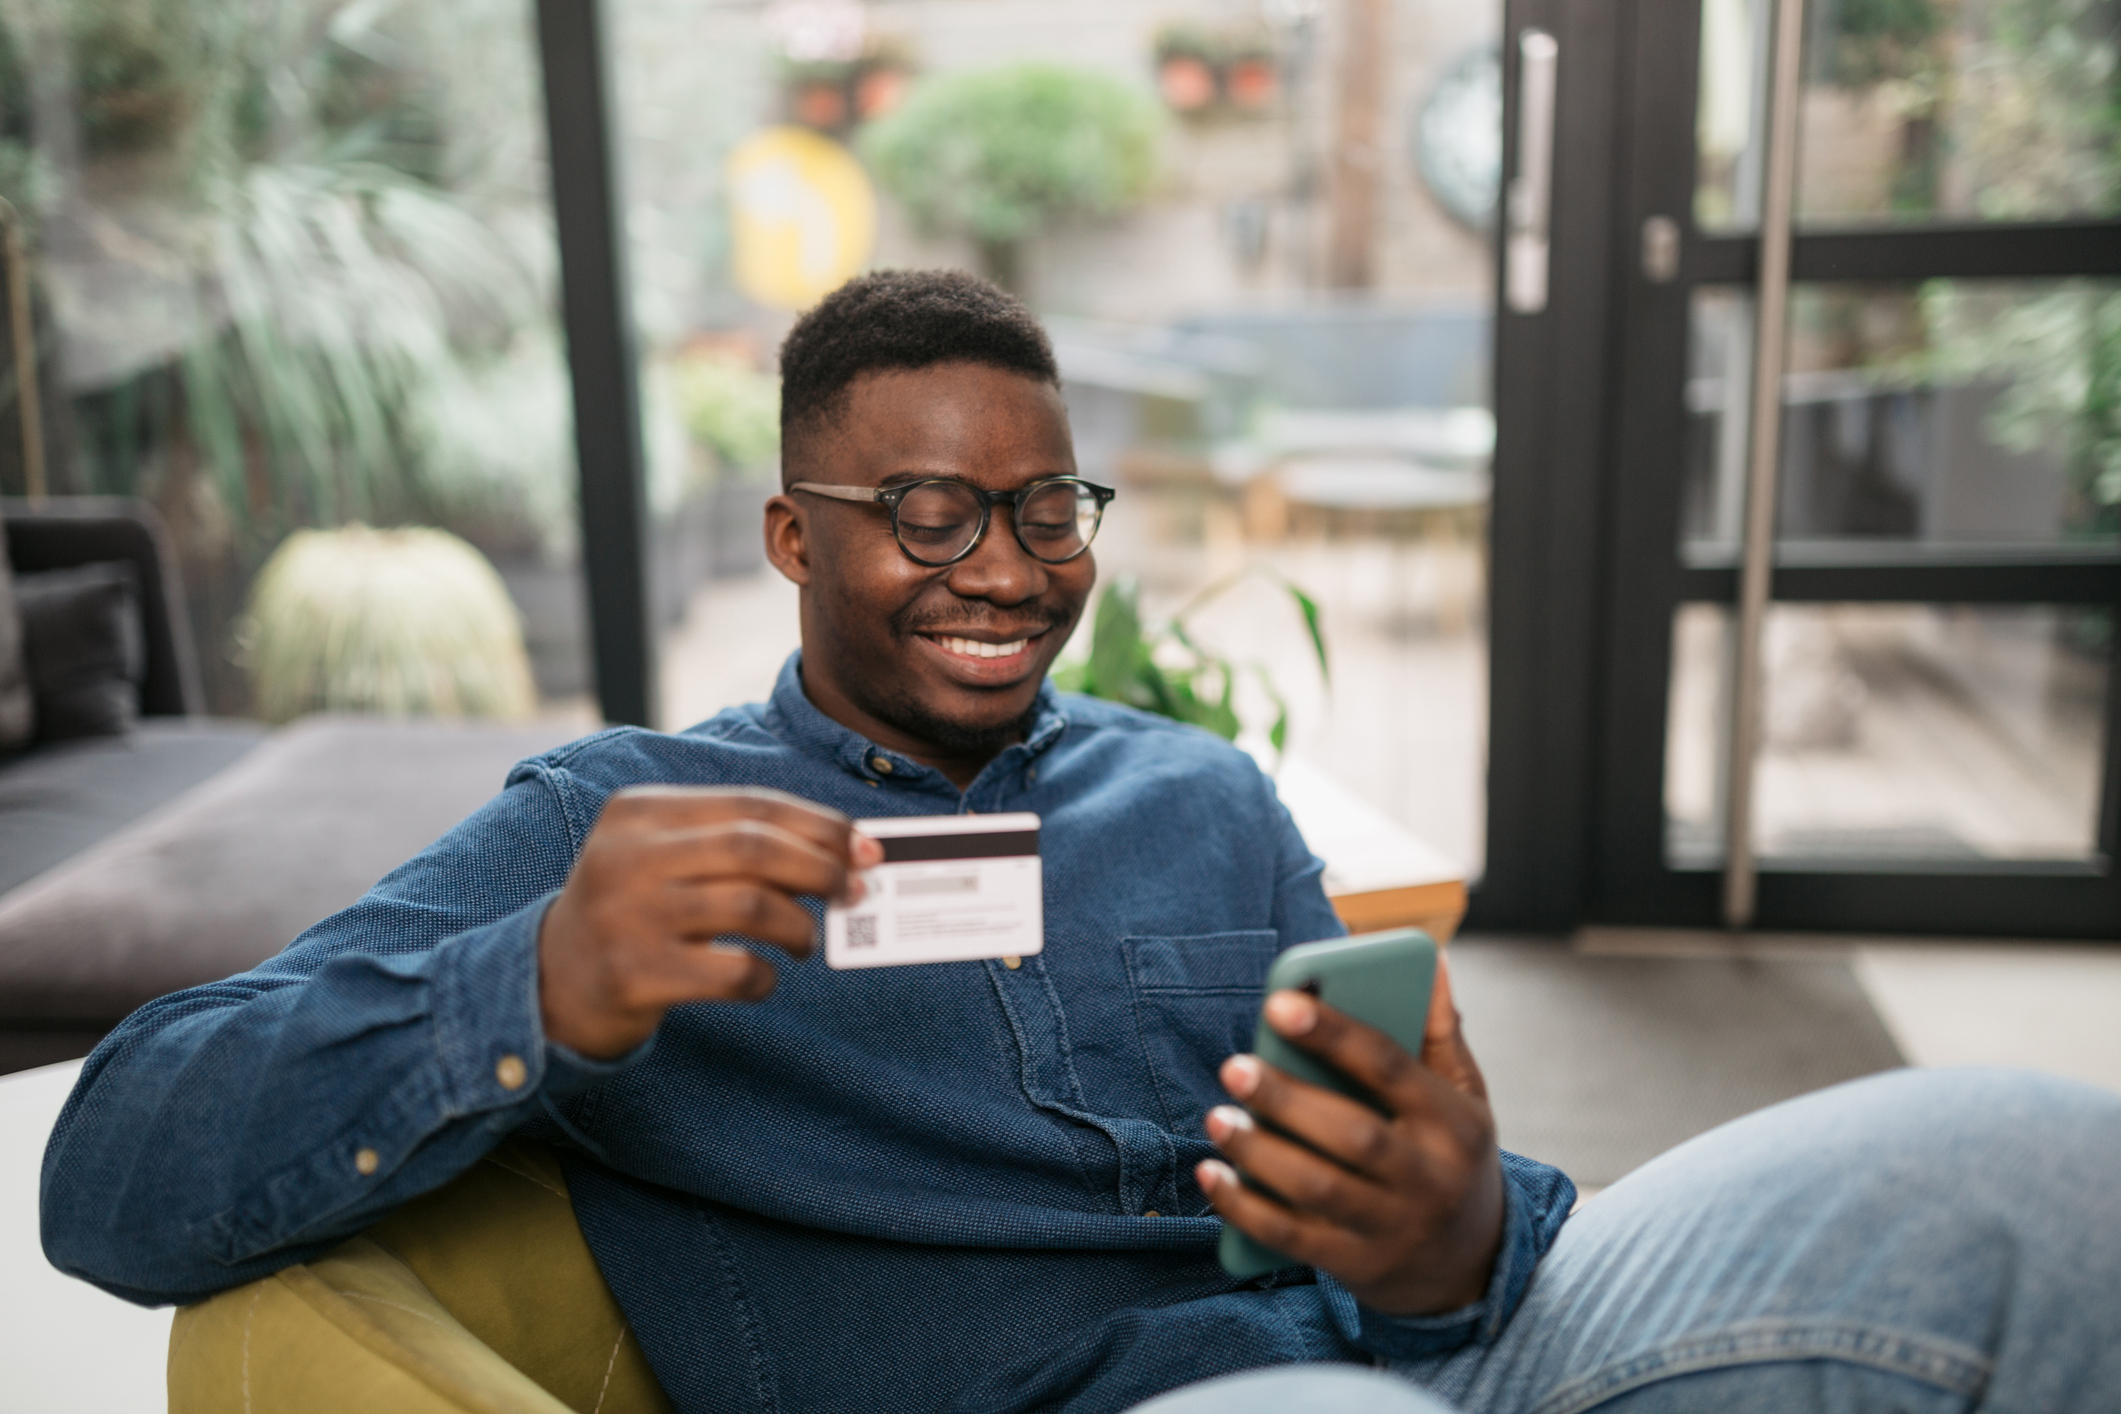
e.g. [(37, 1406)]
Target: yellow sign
[(804, 216)]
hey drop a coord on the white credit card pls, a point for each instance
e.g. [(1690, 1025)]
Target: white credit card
[(952, 888)]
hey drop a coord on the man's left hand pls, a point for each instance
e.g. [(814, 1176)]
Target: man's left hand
[(1404, 1207)]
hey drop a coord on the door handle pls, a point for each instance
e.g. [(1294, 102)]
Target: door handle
[(1778, 182), (1530, 202)]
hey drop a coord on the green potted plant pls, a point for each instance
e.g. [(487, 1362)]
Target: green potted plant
[(1166, 671), (997, 154)]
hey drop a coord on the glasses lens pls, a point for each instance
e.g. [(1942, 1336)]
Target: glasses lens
[(1058, 520), (937, 520)]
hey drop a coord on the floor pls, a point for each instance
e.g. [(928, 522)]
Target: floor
[(66, 1347), (2054, 1007)]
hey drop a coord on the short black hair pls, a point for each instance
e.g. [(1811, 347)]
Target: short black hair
[(903, 319)]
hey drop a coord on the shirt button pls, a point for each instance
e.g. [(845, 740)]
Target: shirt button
[(1152, 1213), (511, 1072), (367, 1162), (1012, 963), (882, 765), (1031, 776)]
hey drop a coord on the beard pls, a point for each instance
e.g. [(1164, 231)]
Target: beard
[(958, 738)]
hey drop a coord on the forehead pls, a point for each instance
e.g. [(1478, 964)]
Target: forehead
[(987, 425)]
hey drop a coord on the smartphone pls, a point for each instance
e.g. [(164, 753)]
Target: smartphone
[(1380, 979)]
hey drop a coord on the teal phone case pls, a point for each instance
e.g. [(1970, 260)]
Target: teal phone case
[(1380, 979)]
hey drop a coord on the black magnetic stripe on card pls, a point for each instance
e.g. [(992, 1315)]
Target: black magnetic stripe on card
[(992, 844)]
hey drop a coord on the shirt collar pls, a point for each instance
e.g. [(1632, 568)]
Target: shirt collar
[(795, 719)]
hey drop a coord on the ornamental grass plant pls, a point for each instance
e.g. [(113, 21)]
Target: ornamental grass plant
[(401, 623)]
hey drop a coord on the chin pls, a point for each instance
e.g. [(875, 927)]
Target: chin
[(966, 721)]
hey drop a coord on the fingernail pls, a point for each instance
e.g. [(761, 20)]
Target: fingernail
[(1212, 1174), (867, 852), (1226, 1120), (1241, 1075), (1292, 1013)]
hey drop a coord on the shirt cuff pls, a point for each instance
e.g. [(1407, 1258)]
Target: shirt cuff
[(489, 1027), (1536, 1201)]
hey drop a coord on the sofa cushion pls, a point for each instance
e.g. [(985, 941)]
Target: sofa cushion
[(81, 639), (58, 799), (228, 873)]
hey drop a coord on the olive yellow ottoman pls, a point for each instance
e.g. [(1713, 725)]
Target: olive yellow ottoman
[(480, 1296)]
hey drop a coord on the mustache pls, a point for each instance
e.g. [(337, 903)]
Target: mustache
[(1025, 622)]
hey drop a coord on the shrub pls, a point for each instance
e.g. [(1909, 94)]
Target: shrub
[(996, 154), (401, 623)]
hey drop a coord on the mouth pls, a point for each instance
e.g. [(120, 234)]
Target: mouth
[(979, 648), (988, 660)]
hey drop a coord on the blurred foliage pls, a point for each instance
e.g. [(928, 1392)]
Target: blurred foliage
[(330, 208), (997, 154), (729, 407), (2057, 354), (2038, 109), (2049, 349), (1163, 670), (407, 622), (338, 283), (2019, 99), (1855, 43)]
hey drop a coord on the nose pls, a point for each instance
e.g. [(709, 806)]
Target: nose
[(998, 570)]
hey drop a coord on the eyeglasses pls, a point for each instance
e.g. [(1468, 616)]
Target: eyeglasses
[(940, 521)]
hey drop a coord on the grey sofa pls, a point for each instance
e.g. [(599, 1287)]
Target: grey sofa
[(193, 847)]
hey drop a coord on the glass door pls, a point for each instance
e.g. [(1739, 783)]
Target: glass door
[(1934, 716)]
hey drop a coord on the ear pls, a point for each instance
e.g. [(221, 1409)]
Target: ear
[(788, 538)]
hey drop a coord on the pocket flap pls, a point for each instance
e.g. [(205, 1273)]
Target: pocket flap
[(1202, 962)]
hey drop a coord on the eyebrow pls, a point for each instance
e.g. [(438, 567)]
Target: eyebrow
[(906, 478)]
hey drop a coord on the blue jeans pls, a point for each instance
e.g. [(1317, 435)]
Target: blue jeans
[(1919, 1241)]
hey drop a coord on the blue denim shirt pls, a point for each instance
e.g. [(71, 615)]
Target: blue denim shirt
[(890, 1188)]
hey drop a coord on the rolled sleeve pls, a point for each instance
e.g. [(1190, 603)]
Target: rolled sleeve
[(1536, 1202)]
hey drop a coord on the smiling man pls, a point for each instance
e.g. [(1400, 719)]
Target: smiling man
[(997, 1186)]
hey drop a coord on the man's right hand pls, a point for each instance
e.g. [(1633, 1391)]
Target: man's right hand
[(667, 870)]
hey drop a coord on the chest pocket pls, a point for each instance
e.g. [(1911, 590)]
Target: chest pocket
[(1196, 1001)]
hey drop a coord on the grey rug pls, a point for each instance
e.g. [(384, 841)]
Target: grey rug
[(1598, 1064)]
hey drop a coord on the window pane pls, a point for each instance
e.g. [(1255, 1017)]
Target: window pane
[(1920, 110), (1276, 352), (1897, 733), (295, 268), (1950, 412)]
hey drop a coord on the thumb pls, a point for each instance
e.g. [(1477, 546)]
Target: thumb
[(1443, 1044)]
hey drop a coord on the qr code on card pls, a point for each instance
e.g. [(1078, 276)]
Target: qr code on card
[(861, 931)]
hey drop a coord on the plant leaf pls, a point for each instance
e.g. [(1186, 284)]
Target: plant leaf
[(1309, 608), (1116, 642), (1278, 734)]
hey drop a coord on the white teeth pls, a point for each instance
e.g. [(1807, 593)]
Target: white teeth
[(973, 649)]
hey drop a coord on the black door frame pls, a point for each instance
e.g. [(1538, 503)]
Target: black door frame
[(1549, 548), (581, 128)]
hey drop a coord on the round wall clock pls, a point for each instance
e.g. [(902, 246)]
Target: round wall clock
[(1458, 137)]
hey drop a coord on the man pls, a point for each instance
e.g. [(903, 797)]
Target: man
[(988, 1186)]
